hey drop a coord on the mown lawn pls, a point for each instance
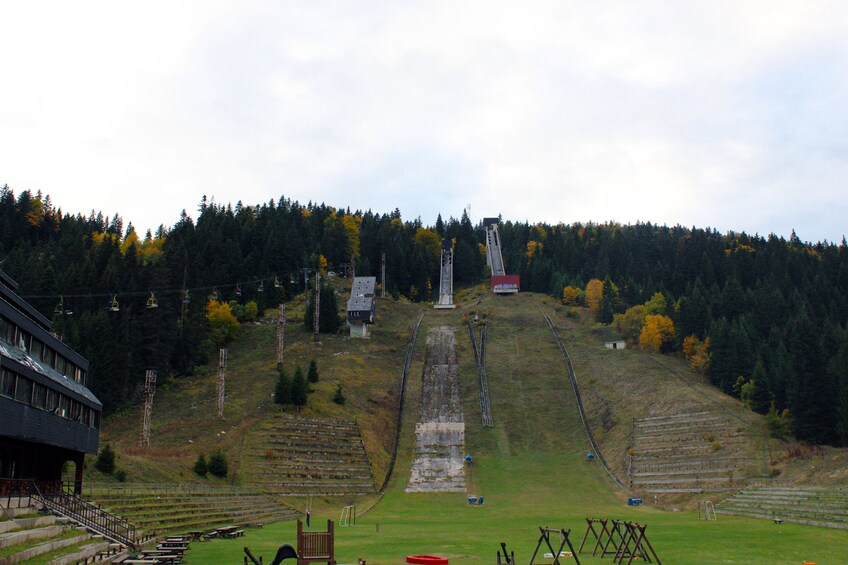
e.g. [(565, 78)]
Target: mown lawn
[(531, 468)]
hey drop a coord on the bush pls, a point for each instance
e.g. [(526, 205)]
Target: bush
[(121, 475), (299, 388), (339, 398), (105, 460), (779, 422), (218, 464), (200, 466)]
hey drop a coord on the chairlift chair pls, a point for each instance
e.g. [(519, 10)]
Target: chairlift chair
[(114, 306), (152, 302), (214, 294), (261, 287), (60, 308), (186, 297), (277, 283), (238, 290)]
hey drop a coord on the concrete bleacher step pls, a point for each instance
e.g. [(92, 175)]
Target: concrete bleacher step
[(311, 456), (29, 550), (816, 506)]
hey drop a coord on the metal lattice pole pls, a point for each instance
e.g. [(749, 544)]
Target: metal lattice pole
[(222, 377), (383, 278), (149, 390), (281, 336), (316, 312)]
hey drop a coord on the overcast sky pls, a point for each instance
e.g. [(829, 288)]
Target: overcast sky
[(722, 114)]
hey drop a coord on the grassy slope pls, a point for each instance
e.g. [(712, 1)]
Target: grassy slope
[(185, 421), (530, 467)]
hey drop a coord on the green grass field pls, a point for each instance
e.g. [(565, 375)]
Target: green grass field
[(531, 466)]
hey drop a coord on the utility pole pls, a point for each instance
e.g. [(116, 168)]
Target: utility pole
[(315, 304), (149, 390), (383, 277), (281, 334), (222, 377)]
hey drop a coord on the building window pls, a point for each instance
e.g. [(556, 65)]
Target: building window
[(37, 349), (64, 406), (23, 389), (7, 383), (52, 400), (39, 396)]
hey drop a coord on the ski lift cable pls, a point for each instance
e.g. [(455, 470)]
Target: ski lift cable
[(160, 292)]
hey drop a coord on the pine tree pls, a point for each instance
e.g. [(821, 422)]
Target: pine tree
[(282, 391), (299, 389), (105, 462), (339, 397), (218, 464), (312, 372), (200, 466)]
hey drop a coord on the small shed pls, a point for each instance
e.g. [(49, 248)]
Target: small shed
[(612, 338), (361, 306)]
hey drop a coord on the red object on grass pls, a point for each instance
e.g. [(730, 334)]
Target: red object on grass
[(427, 559)]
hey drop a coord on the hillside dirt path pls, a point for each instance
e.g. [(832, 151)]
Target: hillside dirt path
[(440, 431)]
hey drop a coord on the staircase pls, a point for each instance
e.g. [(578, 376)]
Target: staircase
[(811, 506), (688, 453), (27, 535), (311, 456)]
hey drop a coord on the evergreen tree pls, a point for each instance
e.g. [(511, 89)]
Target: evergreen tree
[(339, 397), (282, 391), (299, 389), (312, 372), (105, 462), (218, 464), (200, 466)]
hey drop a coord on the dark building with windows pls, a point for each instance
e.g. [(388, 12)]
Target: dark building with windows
[(47, 415), (361, 306)]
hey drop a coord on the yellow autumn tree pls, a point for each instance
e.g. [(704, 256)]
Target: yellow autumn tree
[(430, 241), (698, 353), (532, 248), (223, 325), (351, 225), (570, 295), (130, 240), (594, 294), (656, 333), (630, 323)]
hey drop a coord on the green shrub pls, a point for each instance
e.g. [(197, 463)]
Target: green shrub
[(339, 398), (218, 464), (121, 475), (200, 466), (312, 372), (105, 460)]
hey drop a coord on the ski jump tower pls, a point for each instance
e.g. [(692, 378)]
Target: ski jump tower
[(501, 282), (446, 277)]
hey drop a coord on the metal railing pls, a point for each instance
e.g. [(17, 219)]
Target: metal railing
[(482, 384), (410, 348), (62, 498), (573, 378)]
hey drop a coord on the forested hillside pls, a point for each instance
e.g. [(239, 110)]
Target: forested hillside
[(764, 318)]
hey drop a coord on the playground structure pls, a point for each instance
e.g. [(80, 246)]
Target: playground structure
[(623, 540), (312, 547), (558, 553), (445, 301)]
